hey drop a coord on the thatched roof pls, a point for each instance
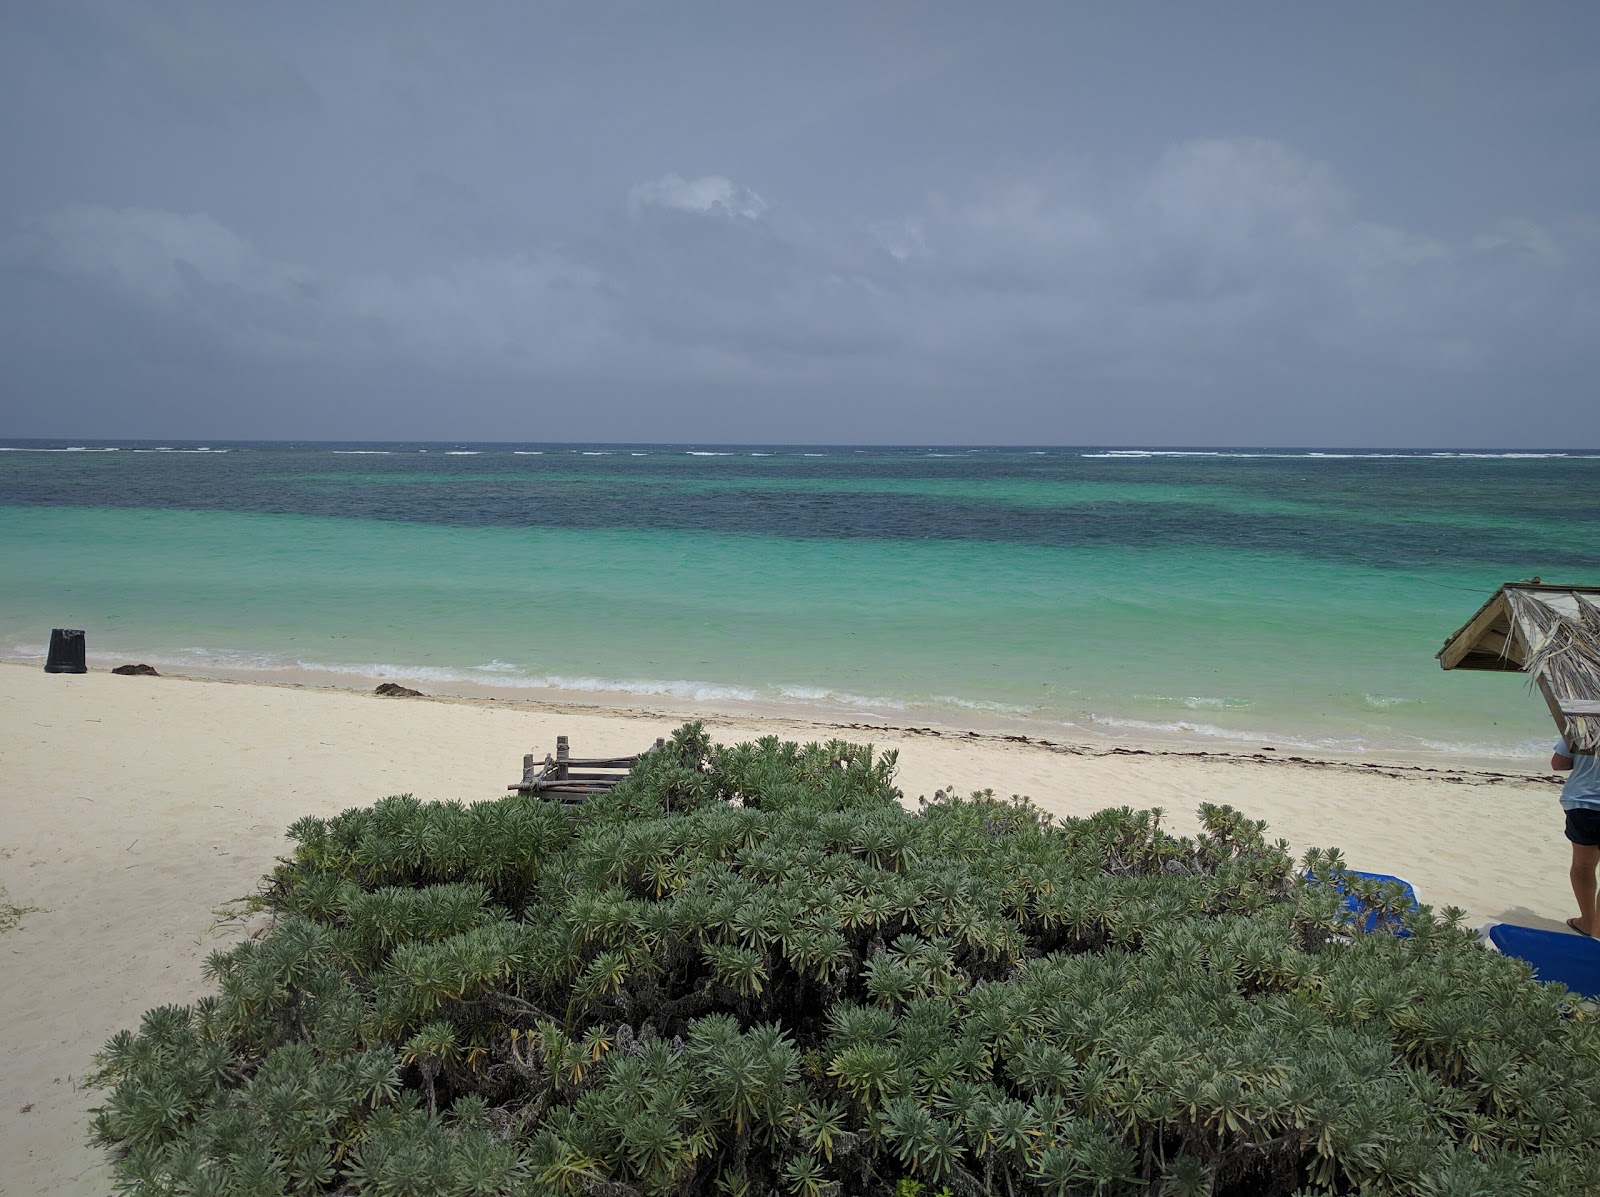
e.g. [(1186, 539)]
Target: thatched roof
[(1552, 633)]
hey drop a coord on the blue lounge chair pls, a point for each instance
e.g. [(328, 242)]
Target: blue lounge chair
[(1356, 906), (1573, 960)]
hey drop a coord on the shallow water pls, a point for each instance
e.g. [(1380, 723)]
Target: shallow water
[(1292, 597)]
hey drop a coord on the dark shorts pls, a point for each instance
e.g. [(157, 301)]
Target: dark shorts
[(1583, 827)]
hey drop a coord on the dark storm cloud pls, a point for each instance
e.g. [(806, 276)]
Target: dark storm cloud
[(513, 212)]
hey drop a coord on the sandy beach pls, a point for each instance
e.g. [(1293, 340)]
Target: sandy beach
[(136, 808)]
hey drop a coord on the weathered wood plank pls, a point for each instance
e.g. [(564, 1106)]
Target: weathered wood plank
[(1466, 640), (561, 787), (569, 779), (1553, 703)]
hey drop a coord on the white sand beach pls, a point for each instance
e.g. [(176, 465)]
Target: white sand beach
[(135, 808)]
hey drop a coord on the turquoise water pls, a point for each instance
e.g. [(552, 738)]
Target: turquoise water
[(1290, 598)]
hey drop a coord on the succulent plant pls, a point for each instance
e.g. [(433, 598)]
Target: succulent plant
[(748, 970)]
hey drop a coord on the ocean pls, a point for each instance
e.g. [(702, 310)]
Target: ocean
[(1243, 597)]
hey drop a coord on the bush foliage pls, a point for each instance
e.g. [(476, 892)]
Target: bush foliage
[(748, 970)]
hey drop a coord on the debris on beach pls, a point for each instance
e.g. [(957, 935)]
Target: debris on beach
[(139, 670), (395, 690)]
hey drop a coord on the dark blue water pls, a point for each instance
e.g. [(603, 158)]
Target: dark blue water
[(1387, 509)]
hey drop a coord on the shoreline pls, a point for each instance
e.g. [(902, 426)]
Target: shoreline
[(801, 719), (134, 809), (1298, 745)]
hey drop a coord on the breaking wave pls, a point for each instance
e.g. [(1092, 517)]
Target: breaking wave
[(1313, 455)]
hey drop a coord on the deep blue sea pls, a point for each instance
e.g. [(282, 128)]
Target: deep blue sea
[(1280, 596)]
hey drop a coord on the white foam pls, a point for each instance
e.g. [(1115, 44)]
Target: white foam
[(1384, 702), (994, 708), (68, 449), (707, 453), (1187, 727), (527, 452), (458, 452), (1138, 453), (1202, 702), (1522, 749), (1319, 454), (1196, 702), (838, 698), (505, 675), (1358, 744), (361, 452)]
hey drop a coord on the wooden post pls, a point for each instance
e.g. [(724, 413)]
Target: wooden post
[(563, 755), (660, 743), (1556, 713), (530, 767)]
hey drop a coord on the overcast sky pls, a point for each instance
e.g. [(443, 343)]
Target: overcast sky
[(1048, 223)]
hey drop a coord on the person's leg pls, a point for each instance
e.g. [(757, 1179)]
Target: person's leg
[(1585, 858)]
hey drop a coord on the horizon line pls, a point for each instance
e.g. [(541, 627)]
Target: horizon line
[(1129, 446)]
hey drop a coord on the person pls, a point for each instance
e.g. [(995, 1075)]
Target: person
[(1580, 798)]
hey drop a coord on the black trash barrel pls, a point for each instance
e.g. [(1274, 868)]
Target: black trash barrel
[(66, 651)]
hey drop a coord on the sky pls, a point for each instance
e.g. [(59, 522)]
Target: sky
[(1362, 224)]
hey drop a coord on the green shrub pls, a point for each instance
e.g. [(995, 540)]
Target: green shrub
[(748, 970)]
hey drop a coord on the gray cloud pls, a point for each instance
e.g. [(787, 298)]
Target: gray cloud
[(1223, 259), (711, 194), (1203, 288)]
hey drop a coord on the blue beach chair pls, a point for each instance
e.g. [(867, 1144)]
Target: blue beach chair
[(1572, 960), (1356, 906)]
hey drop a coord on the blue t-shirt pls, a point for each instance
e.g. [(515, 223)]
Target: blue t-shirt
[(1582, 788)]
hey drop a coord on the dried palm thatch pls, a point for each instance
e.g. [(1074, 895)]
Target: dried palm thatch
[(1552, 633)]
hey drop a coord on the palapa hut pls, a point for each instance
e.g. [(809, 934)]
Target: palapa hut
[(1552, 633)]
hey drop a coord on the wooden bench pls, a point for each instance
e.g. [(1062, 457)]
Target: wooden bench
[(566, 779)]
